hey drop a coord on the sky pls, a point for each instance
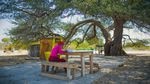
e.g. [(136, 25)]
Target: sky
[(73, 19), (6, 25)]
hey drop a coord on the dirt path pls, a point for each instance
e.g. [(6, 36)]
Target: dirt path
[(134, 71)]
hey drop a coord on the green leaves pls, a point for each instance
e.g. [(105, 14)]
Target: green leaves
[(6, 40)]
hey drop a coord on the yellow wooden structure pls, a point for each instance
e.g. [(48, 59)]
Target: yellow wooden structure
[(46, 45)]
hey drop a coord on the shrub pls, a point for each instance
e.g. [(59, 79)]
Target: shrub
[(139, 44)]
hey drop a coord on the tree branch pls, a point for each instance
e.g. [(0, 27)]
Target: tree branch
[(128, 37), (81, 23), (85, 34)]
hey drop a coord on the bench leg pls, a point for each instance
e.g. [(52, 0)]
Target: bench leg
[(47, 68), (73, 73), (69, 73), (42, 68)]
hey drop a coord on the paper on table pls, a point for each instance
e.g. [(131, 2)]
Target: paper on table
[(69, 50)]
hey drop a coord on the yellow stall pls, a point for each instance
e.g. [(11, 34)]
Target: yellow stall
[(46, 45)]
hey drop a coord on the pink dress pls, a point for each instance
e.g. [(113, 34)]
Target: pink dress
[(54, 56)]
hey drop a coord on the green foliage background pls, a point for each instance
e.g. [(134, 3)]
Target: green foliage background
[(139, 45)]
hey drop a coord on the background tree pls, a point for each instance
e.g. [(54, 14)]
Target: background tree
[(35, 19), (7, 44), (6, 40)]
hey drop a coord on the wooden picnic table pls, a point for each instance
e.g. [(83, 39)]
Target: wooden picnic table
[(82, 55)]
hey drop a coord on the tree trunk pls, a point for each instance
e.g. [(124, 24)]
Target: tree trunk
[(114, 47), (107, 48)]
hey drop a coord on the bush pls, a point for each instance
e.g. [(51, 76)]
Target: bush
[(139, 44)]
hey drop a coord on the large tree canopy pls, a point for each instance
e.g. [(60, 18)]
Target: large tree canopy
[(39, 18), (118, 13)]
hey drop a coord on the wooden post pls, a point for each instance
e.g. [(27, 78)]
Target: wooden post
[(69, 73), (67, 57), (73, 73), (82, 65), (91, 63)]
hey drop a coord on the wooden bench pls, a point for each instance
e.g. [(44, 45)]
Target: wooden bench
[(71, 67)]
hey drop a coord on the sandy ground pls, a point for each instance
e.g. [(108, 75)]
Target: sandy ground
[(14, 53), (139, 52), (22, 69), (136, 70), (129, 51)]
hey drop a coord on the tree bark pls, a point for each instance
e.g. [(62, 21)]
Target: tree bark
[(107, 48), (116, 47)]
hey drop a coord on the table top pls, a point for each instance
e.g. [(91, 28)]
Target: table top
[(79, 53)]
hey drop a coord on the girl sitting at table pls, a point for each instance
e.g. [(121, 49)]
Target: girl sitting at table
[(55, 54)]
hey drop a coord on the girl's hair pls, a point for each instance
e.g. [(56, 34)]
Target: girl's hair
[(61, 43)]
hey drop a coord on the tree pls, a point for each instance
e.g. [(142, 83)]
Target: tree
[(106, 15), (119, 12)]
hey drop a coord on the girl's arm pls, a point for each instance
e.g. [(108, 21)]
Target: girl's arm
[(61, 51)]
